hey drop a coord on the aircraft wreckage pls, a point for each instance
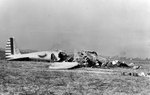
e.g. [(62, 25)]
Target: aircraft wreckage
[(61, 60)]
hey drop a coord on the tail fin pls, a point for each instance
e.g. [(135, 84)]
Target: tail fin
[(11, 48)]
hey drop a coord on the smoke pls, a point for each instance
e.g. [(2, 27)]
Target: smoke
[(122, 53)]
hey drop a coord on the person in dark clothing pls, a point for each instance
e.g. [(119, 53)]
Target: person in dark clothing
[(62, 56), (53, 58)]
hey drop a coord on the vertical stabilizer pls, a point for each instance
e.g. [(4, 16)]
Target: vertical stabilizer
[(11, 48)]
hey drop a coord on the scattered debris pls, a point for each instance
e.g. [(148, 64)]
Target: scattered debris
[(87, 59), (141, 74), (117, 63), (130, 74), (92, 59), (131, 64)]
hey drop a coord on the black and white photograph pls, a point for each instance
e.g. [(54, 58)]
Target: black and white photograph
[(74, 47)]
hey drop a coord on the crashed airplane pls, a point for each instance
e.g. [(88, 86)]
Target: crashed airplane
[(12, 53), (61, 60)]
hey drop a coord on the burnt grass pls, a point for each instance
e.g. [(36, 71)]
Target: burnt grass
[(34, 78)]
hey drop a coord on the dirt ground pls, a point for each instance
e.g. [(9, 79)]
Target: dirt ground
[(34, 78)]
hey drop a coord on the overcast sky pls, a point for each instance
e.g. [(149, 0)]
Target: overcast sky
[(110, 27)]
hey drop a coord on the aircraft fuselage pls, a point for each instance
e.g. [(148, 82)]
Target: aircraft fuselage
[(44, 55)]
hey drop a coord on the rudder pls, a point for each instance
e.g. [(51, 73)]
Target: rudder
[(11, 48)]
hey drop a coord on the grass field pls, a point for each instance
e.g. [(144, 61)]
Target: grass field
[(34, 78)]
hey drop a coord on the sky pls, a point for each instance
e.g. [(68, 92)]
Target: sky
[(109, 27)]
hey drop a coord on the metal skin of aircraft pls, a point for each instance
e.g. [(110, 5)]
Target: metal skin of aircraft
[(13, 53)]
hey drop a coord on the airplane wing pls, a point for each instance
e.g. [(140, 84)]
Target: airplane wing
[(63, 65)]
